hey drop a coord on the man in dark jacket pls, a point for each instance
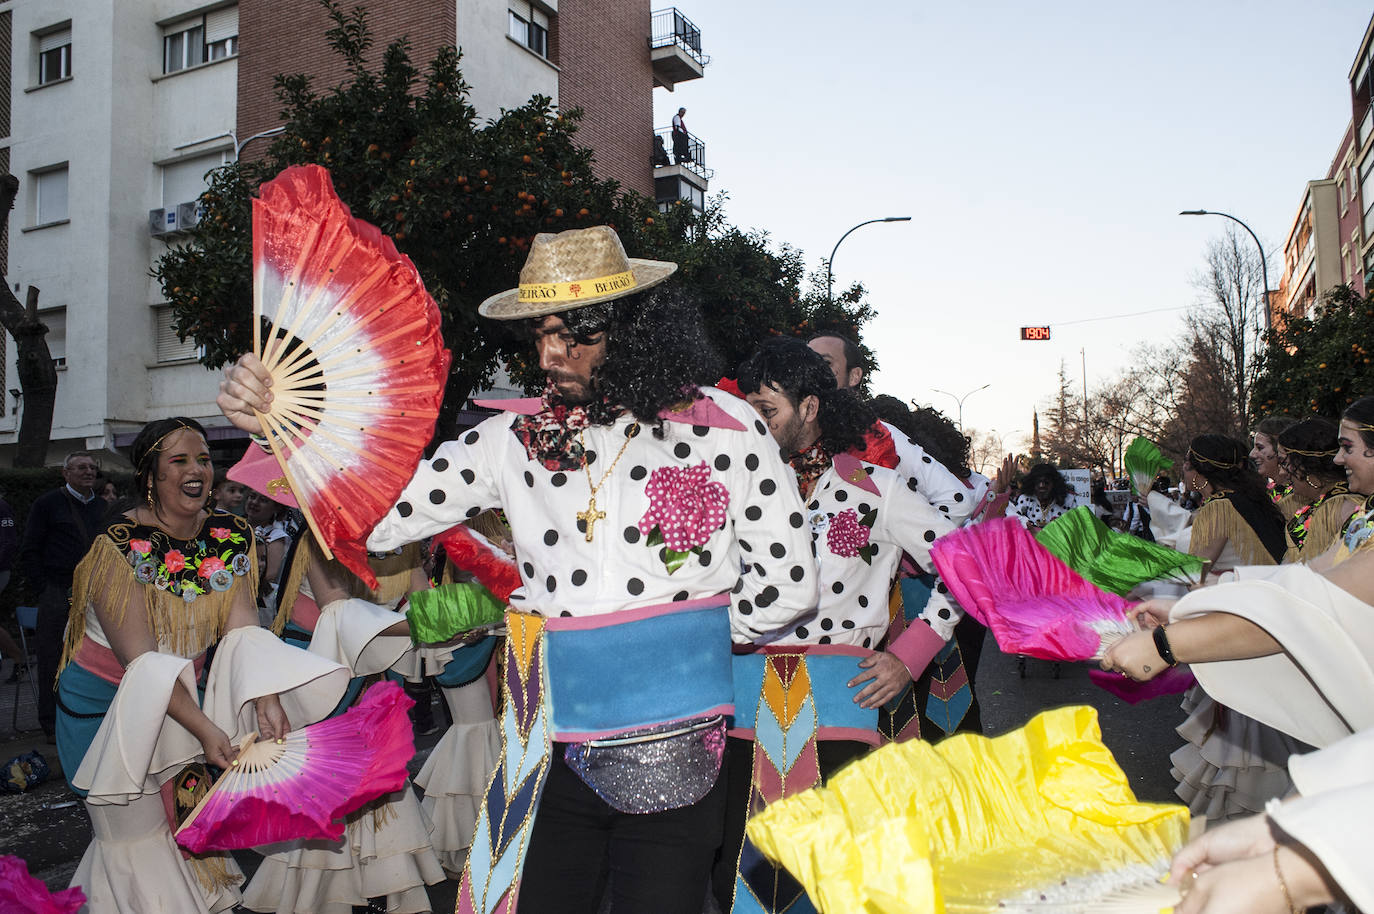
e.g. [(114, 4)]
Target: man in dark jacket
[(62, 525)]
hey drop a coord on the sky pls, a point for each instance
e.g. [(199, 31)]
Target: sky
[(1043, 152)]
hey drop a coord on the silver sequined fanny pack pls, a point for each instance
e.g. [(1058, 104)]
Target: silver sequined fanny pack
[(664, 767)]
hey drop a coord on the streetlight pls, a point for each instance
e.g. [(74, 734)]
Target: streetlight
[(829, 295), (960, 400), (1264, 263)]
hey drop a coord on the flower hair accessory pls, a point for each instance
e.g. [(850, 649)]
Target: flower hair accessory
[(685, 507), (848, 535)]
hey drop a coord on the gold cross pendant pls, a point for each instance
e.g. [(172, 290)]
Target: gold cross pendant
[(590, 516)]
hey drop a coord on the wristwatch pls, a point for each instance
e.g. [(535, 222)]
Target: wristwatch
[(1162, 646)]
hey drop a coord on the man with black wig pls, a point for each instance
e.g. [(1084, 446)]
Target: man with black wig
[(862, 515), (947, 491), (635, 495)]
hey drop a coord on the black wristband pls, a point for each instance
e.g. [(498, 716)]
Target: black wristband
[(1162, 646)]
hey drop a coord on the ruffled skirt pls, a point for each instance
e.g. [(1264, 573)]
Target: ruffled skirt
[(1230, 764), (454, 777), (133, 866), (384, 853)]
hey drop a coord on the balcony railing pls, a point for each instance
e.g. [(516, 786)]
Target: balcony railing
[(694, 160), (669, 27)]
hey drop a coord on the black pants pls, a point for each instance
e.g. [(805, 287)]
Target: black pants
[(53, 610), (658, 863), (831, 756)]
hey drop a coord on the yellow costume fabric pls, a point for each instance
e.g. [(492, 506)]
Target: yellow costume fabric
[(968, 822)]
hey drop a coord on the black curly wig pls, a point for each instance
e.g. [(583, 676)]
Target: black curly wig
[(1059, 487), (657, 353), (931, 429), (1309, 451), (797, 371)]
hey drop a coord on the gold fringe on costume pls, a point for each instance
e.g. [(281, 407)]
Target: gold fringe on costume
[(185, 629), (302, 559), (1218, 520), (212, 872), (393, 573), (1327, 523)]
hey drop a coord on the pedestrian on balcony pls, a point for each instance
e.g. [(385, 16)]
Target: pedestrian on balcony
[(681, 152)]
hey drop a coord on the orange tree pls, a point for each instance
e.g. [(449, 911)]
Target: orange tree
[(1319, 365), (463, 200)]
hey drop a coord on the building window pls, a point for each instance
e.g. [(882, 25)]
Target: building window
[(54, 56), (200, 39), (184, 181), (183, 48), (55, 319), (532, 32), (169, 347), (49, 195)]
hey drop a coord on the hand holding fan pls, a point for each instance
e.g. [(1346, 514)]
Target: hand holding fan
[(356, 356), (302, 785), (1033, 602), (1144, 461)]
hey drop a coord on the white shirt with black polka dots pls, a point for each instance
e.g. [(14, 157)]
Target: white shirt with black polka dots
[(854, 593), (1028, 510), (940, 487), (765, 529)]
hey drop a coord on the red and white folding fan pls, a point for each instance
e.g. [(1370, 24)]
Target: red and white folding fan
[(302, 786), (356, 355)]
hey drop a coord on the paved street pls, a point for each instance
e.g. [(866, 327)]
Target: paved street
[(49, 829)]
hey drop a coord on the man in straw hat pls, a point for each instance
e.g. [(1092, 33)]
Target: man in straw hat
[(635, 495)]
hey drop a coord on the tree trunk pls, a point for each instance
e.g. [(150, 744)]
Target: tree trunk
[(37, 372)]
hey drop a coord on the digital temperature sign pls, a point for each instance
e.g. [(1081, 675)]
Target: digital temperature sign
[(1035, 333)]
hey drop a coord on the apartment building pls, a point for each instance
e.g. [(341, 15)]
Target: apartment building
[(116, 109)]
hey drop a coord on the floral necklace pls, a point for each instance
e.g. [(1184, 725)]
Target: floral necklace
[(189, 568), (1302, 519)]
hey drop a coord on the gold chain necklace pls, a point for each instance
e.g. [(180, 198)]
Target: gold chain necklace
[(590, 516)]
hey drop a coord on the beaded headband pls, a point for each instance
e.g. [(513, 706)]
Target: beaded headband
[(158, 443), (1293, 450), (1194, 457)]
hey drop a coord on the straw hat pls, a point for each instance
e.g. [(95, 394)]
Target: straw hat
[(572, 269)]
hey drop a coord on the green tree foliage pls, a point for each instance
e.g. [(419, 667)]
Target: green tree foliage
[(464, 201), (1319, 365)]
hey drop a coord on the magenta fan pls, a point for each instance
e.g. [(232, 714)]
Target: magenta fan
[(356, 355), (1033, 603), (303, 786)]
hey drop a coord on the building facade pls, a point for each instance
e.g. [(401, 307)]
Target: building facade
[(116, 109)]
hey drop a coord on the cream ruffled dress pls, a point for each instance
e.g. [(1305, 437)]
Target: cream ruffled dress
[(385, 851)]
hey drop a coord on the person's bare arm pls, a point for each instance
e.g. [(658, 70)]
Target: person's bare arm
[(1202, 639), (131, 637)]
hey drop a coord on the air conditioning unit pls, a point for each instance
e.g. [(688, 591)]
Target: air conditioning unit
[(162, 222), (188, 215)]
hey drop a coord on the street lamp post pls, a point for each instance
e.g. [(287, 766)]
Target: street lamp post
[(960, 400), (1264, 262), (829, 295)]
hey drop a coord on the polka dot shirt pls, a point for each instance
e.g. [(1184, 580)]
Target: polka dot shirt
[(763, 531)]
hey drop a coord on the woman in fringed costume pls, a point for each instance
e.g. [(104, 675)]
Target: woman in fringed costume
[(384, 859), (1264, 452), (1230, 764), (160, 584), (1320, 488), (1293, 646), (454, 777)]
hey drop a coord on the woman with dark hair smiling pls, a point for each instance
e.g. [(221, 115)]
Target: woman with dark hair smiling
[(160, 585), (1264, 452), (1237, 523), (1307, 452)]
